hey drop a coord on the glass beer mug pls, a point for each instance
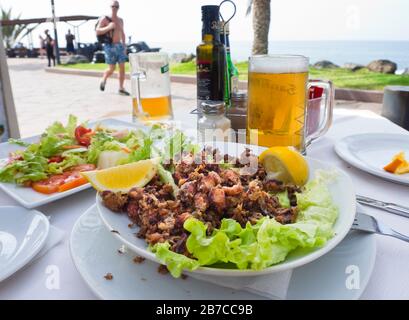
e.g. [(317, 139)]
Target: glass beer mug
[(150, 81), (278, 102)]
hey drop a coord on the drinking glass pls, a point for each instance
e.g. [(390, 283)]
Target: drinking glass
[(277, 102), (150, 80)]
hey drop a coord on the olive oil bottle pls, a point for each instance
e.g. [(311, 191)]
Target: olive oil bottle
[(210, 59)]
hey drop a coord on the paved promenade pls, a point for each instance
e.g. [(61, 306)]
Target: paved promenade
[(41, 97)]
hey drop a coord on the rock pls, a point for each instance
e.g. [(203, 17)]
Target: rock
[(325, 64), (77, 59), (383, 66), (178, 57), (353, 66), (188, 58)]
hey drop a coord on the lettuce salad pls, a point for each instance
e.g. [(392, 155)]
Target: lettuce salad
[(34, 163), (260, 245)]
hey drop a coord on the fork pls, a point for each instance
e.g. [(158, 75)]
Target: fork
[(367, 223)]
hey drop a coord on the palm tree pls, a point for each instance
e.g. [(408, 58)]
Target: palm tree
[(261, 24), (10, 33)]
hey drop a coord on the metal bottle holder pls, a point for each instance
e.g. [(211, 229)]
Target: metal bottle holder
[(225, 22)]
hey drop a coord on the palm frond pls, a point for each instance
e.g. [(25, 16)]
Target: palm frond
[(10, 33)]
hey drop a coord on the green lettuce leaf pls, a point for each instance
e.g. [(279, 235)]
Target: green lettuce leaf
[(175, 262), (51, 145), (70, 160), (283, 199), (143, 152), (32, 167), (178, 143), (71, 125), (208, 250), (18, 142), (166, 177)]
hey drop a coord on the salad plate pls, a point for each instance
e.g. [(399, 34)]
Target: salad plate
[(94, 251), (23, 234), (341, 191), (370, 152), (28, 197)]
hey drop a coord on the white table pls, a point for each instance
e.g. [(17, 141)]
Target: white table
[(390, 278)]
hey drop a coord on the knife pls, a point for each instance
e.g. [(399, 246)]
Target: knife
[(387, 206)]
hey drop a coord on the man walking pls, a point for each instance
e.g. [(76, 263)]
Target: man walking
[(111, 30)]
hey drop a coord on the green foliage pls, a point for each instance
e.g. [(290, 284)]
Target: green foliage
[(10, 33)]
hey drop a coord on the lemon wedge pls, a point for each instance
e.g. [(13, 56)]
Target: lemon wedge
[(123, 178), (285, 164)]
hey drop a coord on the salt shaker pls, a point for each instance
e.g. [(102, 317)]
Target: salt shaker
[(237, 114), (213, 125)]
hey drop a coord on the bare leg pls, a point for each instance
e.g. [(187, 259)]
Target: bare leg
[(108, 72), (121, 76)]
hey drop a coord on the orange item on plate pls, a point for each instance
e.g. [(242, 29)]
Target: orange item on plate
[(399, 165)]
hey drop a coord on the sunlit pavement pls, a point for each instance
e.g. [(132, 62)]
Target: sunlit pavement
[(41, 97)]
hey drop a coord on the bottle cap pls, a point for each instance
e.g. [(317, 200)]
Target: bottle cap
[(212, 107), (210, 12)]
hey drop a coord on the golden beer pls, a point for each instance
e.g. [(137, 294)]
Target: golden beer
[(153, 108), (277, 93), (150, 81)]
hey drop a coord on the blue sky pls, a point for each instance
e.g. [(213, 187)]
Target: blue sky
[(179, 20)]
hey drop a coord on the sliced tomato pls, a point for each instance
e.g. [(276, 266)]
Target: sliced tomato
[(55, 159), (83, 135), (58, 178), (51, 184), (70, 179), (72, 182), (44, 186)]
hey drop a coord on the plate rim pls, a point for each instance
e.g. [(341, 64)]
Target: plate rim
[(70, 245), (29, 257), (272, 269), (100, 294), (342, 150)]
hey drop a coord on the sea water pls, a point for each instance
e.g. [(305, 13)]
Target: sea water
[(338, 52)]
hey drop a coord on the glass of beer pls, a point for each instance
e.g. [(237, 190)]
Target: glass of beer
[(150, 80), (277, 102)]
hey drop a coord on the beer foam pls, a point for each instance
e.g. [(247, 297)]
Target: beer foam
[(278, 64)]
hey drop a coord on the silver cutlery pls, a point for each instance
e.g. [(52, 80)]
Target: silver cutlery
[(387, 206), (367, 223)]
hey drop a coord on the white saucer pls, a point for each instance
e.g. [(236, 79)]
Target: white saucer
[(22, 235), (370, 152), (95, 253)]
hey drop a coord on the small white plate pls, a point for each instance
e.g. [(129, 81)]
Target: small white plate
[(29, 198), (94, 252), (342, 192), (370, 152), (22, 235)]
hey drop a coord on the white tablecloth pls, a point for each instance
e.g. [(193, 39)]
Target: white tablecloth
[(390, 278)]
